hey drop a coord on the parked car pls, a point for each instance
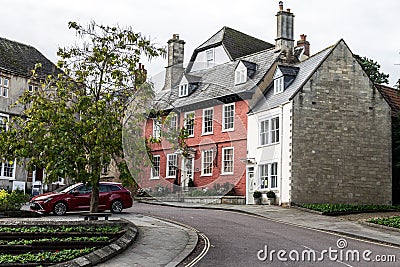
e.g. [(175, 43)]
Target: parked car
[(112, 196)]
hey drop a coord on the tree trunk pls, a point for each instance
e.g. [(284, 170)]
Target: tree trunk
[(94, 200)]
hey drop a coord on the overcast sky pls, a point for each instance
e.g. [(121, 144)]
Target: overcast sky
[(370, 28)]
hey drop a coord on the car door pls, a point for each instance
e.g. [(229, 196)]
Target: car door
[(80, 198), (103, 196)]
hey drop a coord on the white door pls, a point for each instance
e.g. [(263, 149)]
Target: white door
[(187, 172), (250, 178)]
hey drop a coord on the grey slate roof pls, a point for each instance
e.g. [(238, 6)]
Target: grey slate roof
[(236, 43), (219, 81), (21, 59), (305, 69)]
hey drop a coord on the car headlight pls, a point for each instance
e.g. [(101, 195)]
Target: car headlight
[(47, 200)]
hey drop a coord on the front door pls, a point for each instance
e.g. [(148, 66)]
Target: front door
[(250, 178), (187, 172)]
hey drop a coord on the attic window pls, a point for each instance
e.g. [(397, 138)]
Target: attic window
[(278, 81), (183, 90), (240, 74), (278, 85), (210, 58)]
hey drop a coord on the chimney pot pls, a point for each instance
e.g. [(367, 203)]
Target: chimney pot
[(288, 10), (280, 5), (175, 37)]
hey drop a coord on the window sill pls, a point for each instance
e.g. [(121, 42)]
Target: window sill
[(267, 145), (206, 175), (228, 130), (207, 134), (155, 178), (170, 177), (227, 173), (7, 178)]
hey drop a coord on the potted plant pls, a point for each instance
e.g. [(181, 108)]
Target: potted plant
[(271, 197), (257, 197)]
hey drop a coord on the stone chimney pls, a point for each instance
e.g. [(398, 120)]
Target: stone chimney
[(174, 68), (304, 44), (284, 41)]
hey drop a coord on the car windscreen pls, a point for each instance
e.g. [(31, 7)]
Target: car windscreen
[(68, 188)]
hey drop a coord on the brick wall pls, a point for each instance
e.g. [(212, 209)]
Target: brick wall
[(341, 136), (217, 141)]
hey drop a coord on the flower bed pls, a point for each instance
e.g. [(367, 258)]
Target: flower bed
[(46, 243), (390, 222), (337, 209)]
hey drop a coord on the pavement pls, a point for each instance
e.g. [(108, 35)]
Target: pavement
[(161, 243)]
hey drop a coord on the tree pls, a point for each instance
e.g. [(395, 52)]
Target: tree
[(72, 126), (372, 68)]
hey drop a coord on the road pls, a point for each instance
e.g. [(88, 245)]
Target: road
[(241, 240)]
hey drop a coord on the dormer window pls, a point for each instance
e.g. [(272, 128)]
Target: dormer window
[(210, 58), (183, 90), (278, 81), (240, 74), (278, 85)]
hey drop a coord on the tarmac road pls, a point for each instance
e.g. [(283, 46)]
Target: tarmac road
[(238, 239)]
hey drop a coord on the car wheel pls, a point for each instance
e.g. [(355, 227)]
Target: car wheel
[(60, 208), (116, 206)]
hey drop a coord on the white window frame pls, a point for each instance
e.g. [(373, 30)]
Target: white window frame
[(183, 90), (205, 124), (173, 121), (171, 168), (32, 88), (186, 120), (225, 161), (268, 133), (5, 87), (279, 83), (7, 118), (210, 58), (209, 164), (224, 118), (3, 170), (268, 172), (153, 176), (156, 128), (240, 74)]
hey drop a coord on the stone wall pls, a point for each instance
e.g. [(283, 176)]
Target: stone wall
[(341, 136)]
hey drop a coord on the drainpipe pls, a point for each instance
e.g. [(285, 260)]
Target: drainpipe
[(281, 160), (281, 168)]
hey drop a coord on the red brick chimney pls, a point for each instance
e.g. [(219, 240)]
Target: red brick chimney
[(305, 44)]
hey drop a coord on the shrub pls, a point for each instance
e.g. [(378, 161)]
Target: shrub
[(190, 182), (330, 208), (271, 194), (390, 222), (12, 201), (257, 194)]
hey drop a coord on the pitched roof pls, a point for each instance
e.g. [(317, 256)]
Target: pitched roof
[(392, 97), (236, 43), (219, 81), (305, 69), (21, 59)]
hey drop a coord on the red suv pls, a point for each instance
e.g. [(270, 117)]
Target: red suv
[(112, 196)]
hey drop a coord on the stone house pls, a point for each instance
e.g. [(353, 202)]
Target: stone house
[(323, 129), (16, 62)]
